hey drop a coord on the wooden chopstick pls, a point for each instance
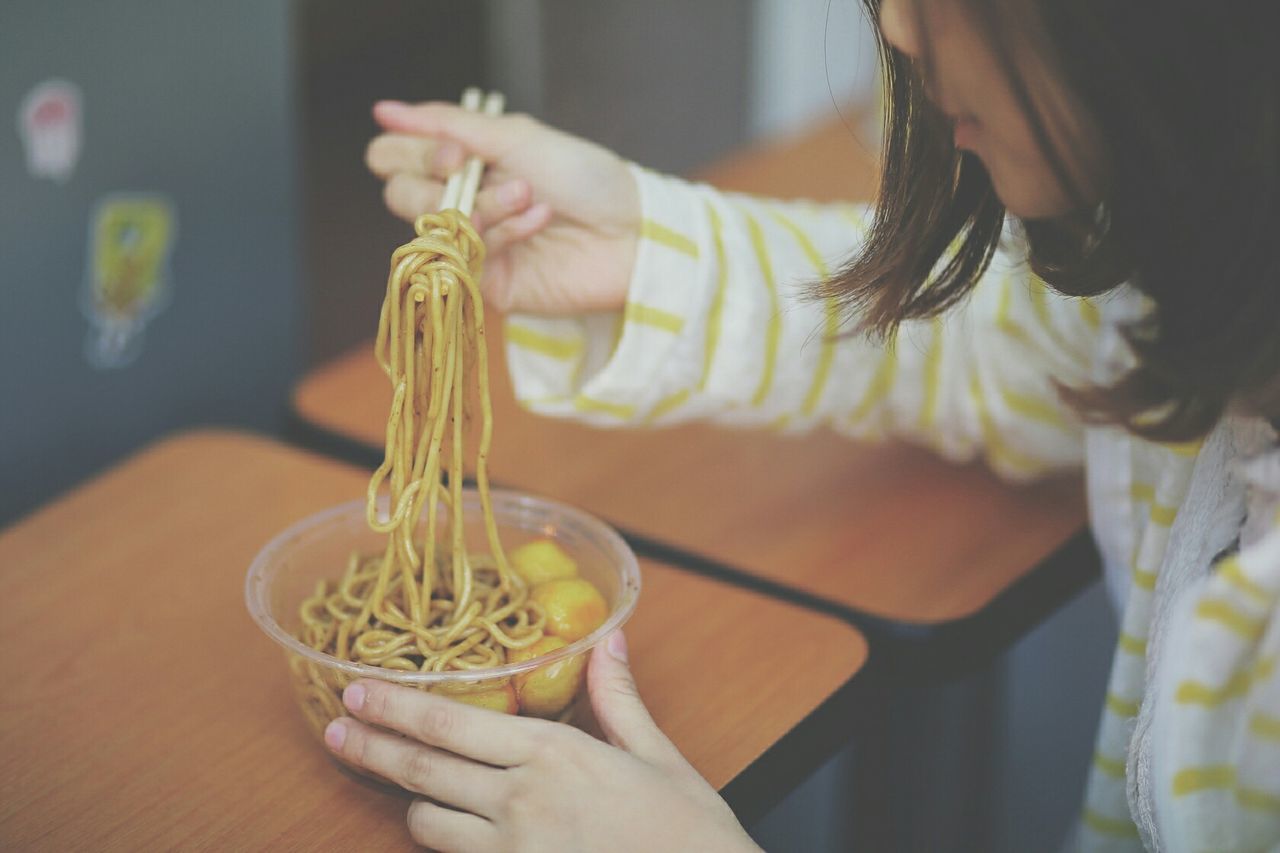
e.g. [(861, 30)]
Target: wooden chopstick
[(463, 185)]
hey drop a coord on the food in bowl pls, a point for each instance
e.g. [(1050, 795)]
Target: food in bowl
[(376, 618), (290, 570)]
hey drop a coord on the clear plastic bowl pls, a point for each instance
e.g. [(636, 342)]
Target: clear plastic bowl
[(317, 548)]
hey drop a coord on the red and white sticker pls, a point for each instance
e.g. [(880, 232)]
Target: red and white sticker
[(49, 123)]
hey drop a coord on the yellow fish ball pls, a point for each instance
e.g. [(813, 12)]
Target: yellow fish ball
[(574, 607), (548, 690), (502, 699), (542, 560)]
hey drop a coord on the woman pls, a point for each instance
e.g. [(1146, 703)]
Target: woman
[(1127, 318)]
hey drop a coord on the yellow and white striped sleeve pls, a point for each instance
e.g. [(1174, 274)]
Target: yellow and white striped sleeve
[(1216, 729), (717, 326)]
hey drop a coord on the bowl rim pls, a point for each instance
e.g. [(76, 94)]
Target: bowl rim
[(256, 588)]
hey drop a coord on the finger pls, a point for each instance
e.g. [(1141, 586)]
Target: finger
[(390, 153), (471, 732), (491, 137), (517, 228), (496, 204), (409, 196), (616, 701), (438, 828), (495, 283), (431, 772)]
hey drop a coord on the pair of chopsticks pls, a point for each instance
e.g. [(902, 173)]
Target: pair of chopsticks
[(460, 191)]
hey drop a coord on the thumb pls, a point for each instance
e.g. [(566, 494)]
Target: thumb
[(617, 706), (488, 136)]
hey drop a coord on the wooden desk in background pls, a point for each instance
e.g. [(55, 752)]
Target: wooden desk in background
[(144, 710), (833, 160), (888, 531)]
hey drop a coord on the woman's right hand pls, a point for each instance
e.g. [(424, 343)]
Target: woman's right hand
[(560, 216)]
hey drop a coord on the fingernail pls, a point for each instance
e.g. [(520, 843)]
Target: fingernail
[(335, 735), (353, 697), (511, 193), (390, 105), (617, 646)]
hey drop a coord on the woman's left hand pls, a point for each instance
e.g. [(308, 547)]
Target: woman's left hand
[(497, 782)]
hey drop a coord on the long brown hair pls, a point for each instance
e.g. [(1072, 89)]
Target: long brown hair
[(1186, 97)]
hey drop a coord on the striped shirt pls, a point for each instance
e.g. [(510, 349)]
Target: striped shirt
[(717, 327)]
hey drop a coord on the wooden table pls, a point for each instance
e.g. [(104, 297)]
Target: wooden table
[(834, 159), (144, 710)]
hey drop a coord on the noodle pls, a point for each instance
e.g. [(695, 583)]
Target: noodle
[(424, 604)]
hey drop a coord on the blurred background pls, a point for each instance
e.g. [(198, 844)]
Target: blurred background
[(201, 165)]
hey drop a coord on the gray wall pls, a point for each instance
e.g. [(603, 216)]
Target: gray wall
[(350, 55), (663, 82), (188, 99)]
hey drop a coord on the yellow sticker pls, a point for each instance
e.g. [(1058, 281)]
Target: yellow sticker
[(130, 241)]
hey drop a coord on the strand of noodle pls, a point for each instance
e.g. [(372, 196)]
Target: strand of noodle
[(484, 657), (432, 466), (404, 464), (372, 646), (505, 639), (443, 340), (423, 286), (461, 571), (455, 651), (381, 472), (340, 641), (374, 601), (397, 472), (486, 436)]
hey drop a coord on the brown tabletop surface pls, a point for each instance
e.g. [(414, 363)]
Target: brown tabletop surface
[(144, 710), (833, 159)]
